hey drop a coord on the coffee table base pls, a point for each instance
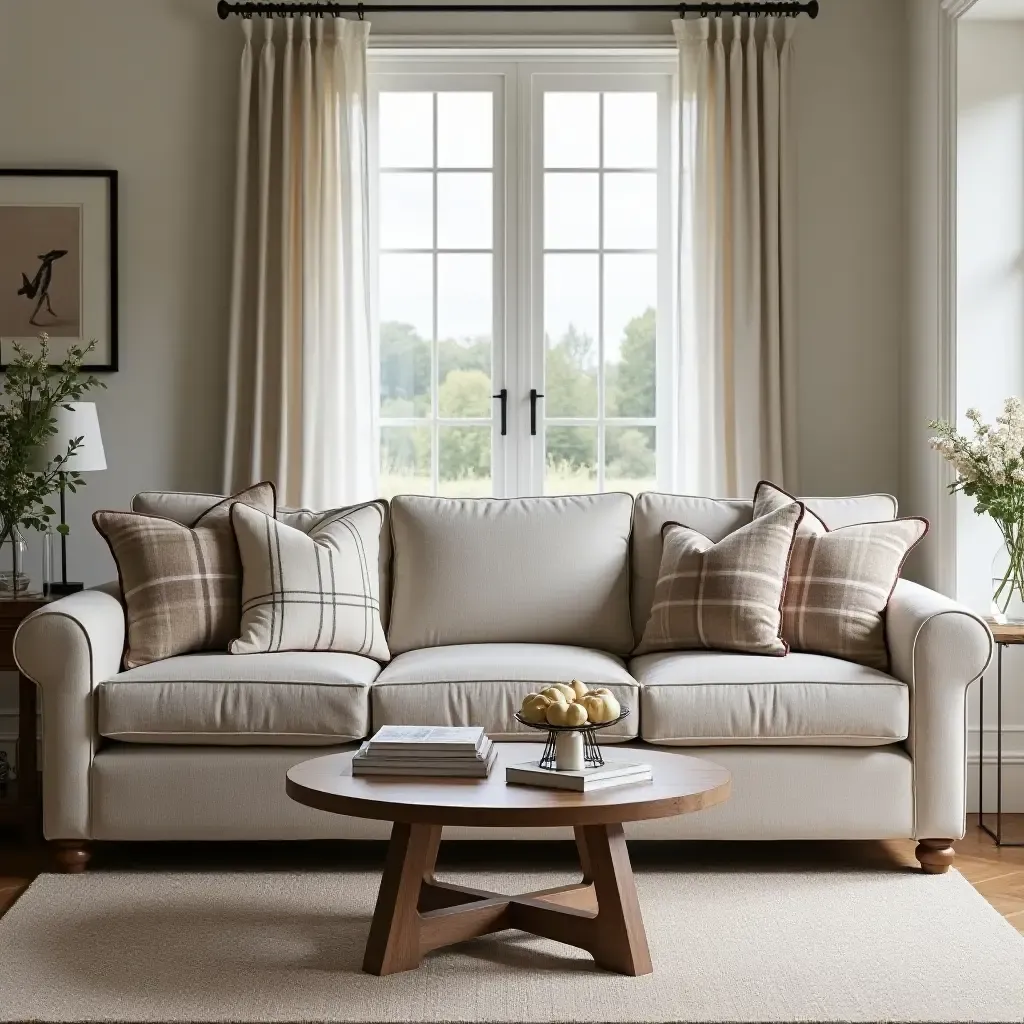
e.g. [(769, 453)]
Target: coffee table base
[(416, 913)]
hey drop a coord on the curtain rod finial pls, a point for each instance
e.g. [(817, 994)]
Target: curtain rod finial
[(812, 8), (223, 9)]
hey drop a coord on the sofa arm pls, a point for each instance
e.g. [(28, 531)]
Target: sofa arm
[(938, 648), (67, 648)]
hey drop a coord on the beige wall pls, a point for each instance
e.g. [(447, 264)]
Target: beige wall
[(148, 87)]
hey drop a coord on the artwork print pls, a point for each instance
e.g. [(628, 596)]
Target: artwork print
[(41, 271), (58, 263)]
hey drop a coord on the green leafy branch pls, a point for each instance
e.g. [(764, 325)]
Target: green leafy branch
[(32, 391)]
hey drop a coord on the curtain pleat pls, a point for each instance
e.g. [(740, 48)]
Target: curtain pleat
[(733, 370), (300, 410)]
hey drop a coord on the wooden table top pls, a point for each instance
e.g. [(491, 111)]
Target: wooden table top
[(680, 785), (1006, 632)]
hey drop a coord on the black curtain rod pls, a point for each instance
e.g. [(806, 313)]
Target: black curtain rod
[(268, 10)]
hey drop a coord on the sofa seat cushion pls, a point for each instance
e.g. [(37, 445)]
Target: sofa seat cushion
[(694, 698), (484, 684), (280, 699)]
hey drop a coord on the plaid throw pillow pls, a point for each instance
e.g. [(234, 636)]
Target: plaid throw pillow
[(315, 591), (840, 581), (725, 596), (181, 585)]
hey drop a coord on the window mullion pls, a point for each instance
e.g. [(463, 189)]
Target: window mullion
[(435, 434), (599, 446)]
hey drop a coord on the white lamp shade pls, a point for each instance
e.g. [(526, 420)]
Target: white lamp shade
[(78, 420)]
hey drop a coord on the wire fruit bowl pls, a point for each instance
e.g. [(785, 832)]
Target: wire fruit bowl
[(592, 756)]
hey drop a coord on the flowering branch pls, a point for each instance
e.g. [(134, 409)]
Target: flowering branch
[(989, 468)]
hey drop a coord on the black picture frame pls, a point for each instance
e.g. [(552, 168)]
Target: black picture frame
[(110, 364)]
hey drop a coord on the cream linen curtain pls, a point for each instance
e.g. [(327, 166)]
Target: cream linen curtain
[(302, 380), (734, 375)]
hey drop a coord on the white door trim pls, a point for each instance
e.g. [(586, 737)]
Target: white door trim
[(929, 357)]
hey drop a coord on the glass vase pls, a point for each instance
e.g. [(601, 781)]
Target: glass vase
[(1008, 578), (14, 580)]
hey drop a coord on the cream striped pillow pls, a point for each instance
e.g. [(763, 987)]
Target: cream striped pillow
[(315, 591), (725, 596), (840, 581)]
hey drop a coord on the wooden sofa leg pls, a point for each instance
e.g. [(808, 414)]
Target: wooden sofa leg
[(935, 855), (72, 855)]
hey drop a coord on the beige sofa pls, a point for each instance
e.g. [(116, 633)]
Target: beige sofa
[(483, 601)]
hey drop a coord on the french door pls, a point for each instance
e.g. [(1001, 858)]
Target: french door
[(523, 293)]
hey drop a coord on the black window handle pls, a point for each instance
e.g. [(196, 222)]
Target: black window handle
[(503, 395), (534, 395)]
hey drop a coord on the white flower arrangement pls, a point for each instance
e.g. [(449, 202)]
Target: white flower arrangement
[(990, 468)]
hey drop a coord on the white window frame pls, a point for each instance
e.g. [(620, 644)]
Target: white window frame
[(518, 79)]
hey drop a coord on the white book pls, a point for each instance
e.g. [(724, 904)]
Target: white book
[(432, 738), (425, 754), (466, 770), (422, 759), (612, 773)]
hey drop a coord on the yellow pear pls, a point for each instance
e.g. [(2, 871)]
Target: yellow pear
[(566, 714), (557, 693), (580, 689), (535, 708), (601, 706)]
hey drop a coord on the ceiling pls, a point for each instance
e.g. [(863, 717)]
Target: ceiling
[(996, 10)]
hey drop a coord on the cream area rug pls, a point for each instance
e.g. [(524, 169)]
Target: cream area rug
[(727, 946)]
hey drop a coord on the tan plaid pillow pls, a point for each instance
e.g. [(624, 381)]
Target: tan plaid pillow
[(181, 585), (840, 581), (315, 591), (725, 596)]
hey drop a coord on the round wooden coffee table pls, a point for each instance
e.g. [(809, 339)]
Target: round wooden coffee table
[(416, 913)]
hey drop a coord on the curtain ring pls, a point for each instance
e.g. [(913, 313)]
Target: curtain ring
[(359, 11), (703, 10)]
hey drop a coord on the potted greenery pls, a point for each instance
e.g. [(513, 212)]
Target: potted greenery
[(32, 390), (990, 468)]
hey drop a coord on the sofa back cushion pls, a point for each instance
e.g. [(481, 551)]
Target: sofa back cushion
[(515, 570), (187, 506), (717, 518)]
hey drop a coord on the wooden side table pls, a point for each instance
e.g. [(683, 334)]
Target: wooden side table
[(19, 806), (1004, 635)]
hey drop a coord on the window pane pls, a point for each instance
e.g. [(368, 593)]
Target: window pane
[(630, 341), (571, 129), (630, 129), (464, 287), (630, 211), (464, 211), (406, 129), (464, 462), (405, 461), (465, 129), (570, 334), (406, 211), (406, 318), (570, 211), (630, 463), (570, 460)]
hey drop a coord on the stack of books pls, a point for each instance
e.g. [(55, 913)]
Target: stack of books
[(587, 780), (426, 750)]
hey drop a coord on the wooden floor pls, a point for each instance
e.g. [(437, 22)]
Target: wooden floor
[(997, 873)]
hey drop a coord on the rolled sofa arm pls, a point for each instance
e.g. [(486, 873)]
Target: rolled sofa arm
[(938, 648), (68, 648)]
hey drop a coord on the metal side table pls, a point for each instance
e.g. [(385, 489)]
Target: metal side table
[(1004, 635)]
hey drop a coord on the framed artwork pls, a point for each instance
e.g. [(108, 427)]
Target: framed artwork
[(58, 262)]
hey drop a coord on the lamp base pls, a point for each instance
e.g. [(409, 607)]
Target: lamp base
[(62, 589)]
